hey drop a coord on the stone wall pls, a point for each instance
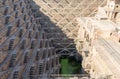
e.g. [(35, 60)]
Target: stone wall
[(24, 47)]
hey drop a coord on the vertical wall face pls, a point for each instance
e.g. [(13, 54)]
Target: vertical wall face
[(24, 47)]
